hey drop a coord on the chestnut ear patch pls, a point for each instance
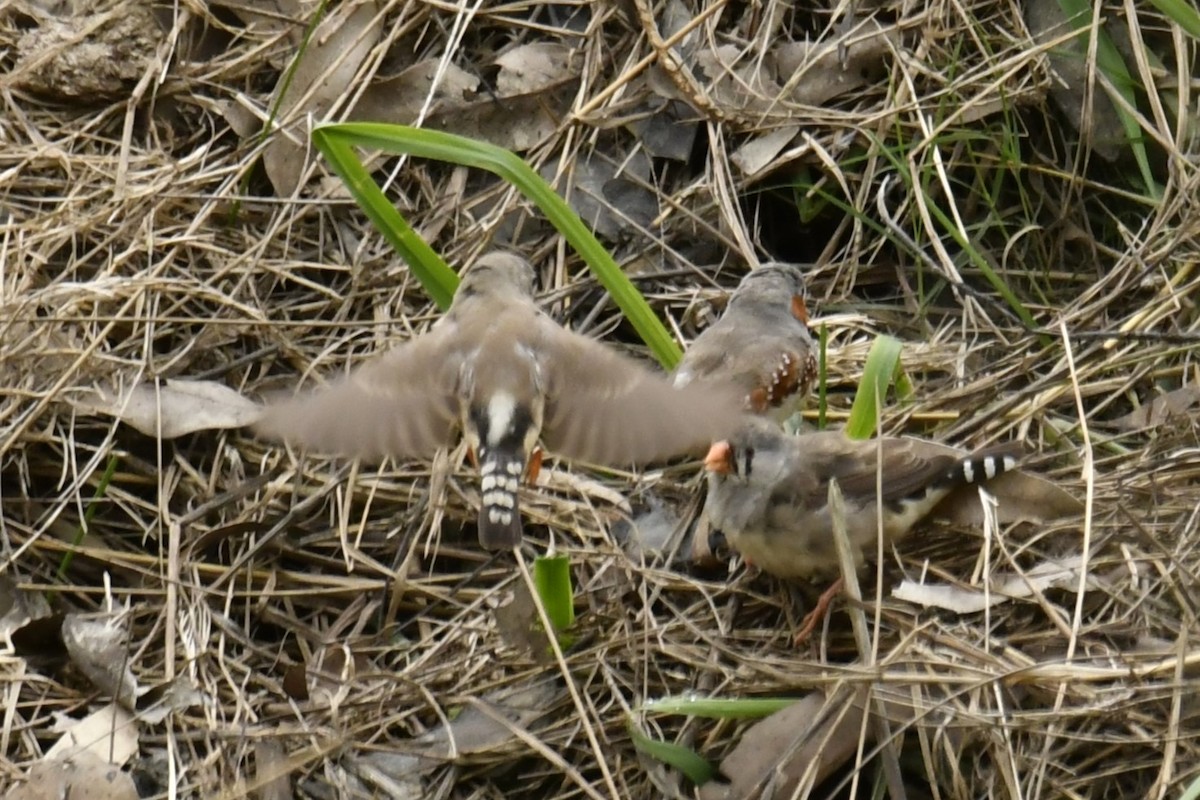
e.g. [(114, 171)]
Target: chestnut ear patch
[(799, 308)]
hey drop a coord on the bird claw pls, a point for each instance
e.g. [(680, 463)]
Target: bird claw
[(814, 617)]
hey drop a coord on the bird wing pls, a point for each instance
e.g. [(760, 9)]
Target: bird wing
[(400, 404), (605, 408), (906, 468)]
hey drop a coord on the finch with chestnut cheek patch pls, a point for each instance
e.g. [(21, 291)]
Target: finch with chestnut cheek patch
[(761, 344)]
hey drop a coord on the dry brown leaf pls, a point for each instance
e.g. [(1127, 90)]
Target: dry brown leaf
[(1161, 409), (98, 647), (759, 152), (610, 197), (1062, 574), (520, 627), (669, 131), (802, 745), (159, 702), (814, 73), (1020, 496), (795, 73), (269, 16), (486, 724), (186, 406), (534, 67), (320, 80), (332, 677), (1095, 116), (272, 771), (805, 741), (532, 94), (84, 777), (109, 734), (400, 98), (18, 608)]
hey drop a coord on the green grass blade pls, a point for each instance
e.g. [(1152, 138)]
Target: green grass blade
[(882, 363), (438, 279), (1192, 792), (89, 513), (447, 147), (684, 759), (718, 707), (1182, 13), (1112, 65)]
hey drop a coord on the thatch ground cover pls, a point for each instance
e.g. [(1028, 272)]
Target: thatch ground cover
[(316, 616)]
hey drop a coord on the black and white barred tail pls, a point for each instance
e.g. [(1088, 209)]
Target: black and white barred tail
[(500, 474), (977, 468), (982, 466)]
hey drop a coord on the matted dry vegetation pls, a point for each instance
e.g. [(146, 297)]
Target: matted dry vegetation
[(141, 239)]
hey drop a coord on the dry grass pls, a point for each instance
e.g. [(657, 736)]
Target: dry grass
[(139, 240)]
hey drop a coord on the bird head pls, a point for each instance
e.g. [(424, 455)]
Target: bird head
[(498, 273), (755, 453), (774, 285)]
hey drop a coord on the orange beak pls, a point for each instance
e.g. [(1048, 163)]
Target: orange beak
[(719, 458)]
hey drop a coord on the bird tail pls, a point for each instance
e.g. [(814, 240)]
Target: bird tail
[(983, 465), (500, 473)]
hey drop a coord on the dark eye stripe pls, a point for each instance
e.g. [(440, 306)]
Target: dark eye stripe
[(747, 461)]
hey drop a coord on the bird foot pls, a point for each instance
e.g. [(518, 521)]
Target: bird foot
[(814, 617)]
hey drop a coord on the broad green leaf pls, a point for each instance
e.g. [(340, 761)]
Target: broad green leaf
[(882, 362), (338, 138)]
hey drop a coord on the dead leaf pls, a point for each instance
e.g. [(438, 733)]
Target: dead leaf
[(520, 627), (1161, 410), (1020, 496), (609, 196), (272, 771), (269, 17), (109, 734), (813, 73), (98, 647), (805, 741), (186, 406), (483, 726), (802, 745), (669, 132), (18, 608), (158, 702), (1095, 117), (83, 777), (533, 93), (758, 153), (295, 682), (534, 67), (400, 98), (1063, 574), (487, 724), (320, 80)]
